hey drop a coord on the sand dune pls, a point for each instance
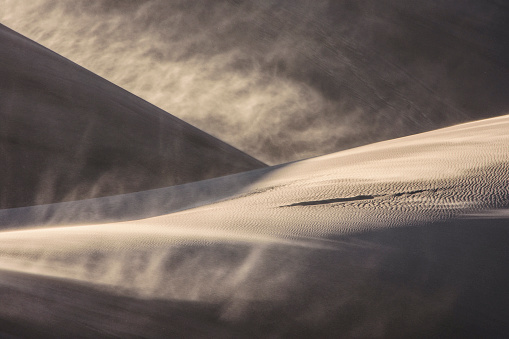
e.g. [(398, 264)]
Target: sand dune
[(403, 238), (119, 220), (407, 174), (67, 134)]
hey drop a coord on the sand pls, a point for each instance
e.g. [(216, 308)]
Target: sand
[(400, 238), (119, 220), (67, 134)]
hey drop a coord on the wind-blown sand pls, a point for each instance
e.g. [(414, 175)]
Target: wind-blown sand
[(287, 80), (403, 238), (67, 134)]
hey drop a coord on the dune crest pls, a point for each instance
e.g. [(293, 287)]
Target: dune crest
[(67, 134), (395, 239)]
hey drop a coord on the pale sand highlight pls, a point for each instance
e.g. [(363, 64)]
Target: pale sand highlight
[(411, 181)]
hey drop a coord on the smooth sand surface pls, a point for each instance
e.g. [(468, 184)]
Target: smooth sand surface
[(67, 134), (403, 238)]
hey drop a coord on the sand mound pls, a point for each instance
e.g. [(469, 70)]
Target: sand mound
[(67, 134), (394, 239)]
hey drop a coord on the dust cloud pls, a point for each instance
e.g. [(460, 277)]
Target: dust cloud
[(289, 80)]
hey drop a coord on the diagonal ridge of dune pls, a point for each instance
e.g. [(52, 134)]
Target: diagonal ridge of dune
[(447, 174), (67, 134), (402, 238)]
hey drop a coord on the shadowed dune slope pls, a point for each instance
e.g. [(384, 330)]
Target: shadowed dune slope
[(445, 280), (398, 239), (67, 134)]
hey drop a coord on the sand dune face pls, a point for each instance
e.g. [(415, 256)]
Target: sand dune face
[(67, 134), (393, 239), (403, 238)]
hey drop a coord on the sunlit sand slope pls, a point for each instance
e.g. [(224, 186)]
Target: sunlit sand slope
[(402, 238), (67, 134)]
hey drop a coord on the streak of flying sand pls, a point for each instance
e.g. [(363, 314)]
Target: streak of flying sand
[(403, 238), (299, 78), (259, 245)]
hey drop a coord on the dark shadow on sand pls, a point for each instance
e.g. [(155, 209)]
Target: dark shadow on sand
[(441, 280)]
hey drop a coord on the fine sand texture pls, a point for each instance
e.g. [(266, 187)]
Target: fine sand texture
[(67, 134), (402, 238)]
